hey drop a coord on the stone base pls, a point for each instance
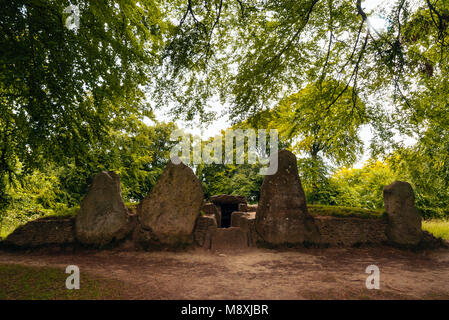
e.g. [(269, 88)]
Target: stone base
[(351, 231), (232, 238)]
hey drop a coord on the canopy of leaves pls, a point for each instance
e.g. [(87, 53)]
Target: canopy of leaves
[(72, 102), (59, 88)]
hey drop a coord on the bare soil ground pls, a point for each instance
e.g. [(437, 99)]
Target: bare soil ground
[(333, 273)]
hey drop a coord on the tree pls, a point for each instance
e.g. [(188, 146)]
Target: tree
[(221, 178), (319, 127), (138, 153), (321, 131), (425, 165), (243, 180), (363, 187), (253, 53), (61, 89)]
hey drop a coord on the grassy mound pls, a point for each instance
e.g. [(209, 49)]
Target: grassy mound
[(14, 219), (32, 283), (344, 212), (439, 228)]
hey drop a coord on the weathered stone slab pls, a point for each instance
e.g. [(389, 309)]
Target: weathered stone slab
[(227, 199), (282, 216), (168, 214), (240, 219), (212, 209), (229, 239), (404, 221), (205, 228), (247, 222), (103, 217)]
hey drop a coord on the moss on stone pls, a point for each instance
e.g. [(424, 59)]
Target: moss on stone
[(336, 211)]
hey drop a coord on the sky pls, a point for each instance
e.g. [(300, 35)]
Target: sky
[(222, 122)]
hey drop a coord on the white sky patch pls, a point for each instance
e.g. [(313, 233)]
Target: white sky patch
[(378, 23), (195, 127), (223, 122), (366, 135), (376, 20)]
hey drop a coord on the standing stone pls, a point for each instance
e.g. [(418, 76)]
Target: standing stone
[(404, 222), (212, 209), (167, 215), (282, 215), (205, 228), (103, 217), (246, 222)]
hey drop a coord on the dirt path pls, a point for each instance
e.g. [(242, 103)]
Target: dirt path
[(260, 274)]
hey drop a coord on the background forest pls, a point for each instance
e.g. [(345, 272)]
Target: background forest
[(77, 101)]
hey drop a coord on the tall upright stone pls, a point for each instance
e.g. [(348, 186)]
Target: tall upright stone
[(282, 215), (404, 221), (103, 217), (167, 215)]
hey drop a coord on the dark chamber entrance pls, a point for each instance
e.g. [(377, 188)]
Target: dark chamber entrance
[(227, 204), (226, 212)]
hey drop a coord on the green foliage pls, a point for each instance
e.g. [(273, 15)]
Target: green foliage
[(139, 155), (439, 228), (362, 187), (34, 196), (251, 53), (314, 176), (237, 179), (243, 180), (60, 89), (317, 125)]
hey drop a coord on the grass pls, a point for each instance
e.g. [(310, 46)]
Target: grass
[(32, 283), (439, 228), (344, 212)]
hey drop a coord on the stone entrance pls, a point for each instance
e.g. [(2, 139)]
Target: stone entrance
[(227, 205), (226, 212)]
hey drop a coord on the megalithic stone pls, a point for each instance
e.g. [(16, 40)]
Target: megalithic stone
[(282, 216), (167, 215), (103, 217), (404, 221)]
